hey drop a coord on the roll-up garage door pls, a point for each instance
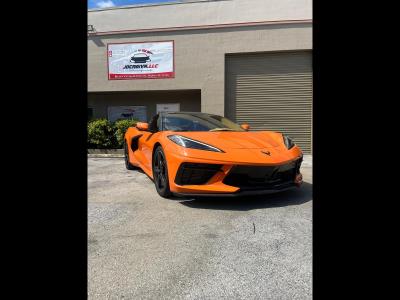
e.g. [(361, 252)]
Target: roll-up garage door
[(272, 91)]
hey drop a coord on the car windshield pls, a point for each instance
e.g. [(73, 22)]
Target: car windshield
[(199, 122)]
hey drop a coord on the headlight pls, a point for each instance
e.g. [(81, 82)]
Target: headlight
[(189, 143), (288, 142)]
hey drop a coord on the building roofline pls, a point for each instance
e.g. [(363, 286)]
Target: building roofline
[(173, 2), (199, 27)]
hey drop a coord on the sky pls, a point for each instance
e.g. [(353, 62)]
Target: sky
[(112, 3)]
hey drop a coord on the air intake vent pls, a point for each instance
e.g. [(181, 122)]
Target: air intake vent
[(192, 173), (262, 177)]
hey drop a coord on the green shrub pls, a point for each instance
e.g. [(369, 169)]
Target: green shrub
[(101, 134), (121, 126)]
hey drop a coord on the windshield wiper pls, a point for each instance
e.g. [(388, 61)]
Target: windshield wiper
[(222, 129)]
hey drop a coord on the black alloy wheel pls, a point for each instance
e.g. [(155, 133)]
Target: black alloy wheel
[(160, 173)]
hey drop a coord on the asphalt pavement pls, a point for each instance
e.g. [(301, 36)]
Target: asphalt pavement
[(142, 246)]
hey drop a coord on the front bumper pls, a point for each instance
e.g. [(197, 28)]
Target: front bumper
[(241, 193), (225, 182)]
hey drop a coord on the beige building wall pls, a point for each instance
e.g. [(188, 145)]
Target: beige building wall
[(199, 57), (197, 13)]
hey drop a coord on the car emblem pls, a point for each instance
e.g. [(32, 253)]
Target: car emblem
[(266, 152)]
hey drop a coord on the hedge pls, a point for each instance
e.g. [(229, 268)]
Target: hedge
[(102, 134), (121, 127)]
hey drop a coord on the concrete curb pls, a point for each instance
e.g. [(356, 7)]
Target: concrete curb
[(117, 153), (105, 155), (105, 151)]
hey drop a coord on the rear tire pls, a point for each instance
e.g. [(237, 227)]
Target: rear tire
[(128, 165), (160, 173)]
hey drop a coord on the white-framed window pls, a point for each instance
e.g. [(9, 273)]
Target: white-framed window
[(168, 107)]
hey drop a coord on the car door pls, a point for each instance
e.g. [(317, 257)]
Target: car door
[(147, 141)]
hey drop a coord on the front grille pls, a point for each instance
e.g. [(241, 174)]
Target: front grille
[(191, 173), (262, 177)]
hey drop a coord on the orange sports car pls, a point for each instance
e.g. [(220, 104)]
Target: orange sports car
[(199, 154)]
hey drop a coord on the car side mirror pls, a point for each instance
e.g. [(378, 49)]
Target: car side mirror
[(245, 126), (142, 126)]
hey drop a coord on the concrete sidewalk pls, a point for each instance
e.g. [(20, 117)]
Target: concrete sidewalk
[(307, 160)]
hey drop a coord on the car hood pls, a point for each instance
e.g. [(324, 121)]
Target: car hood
[(237, 140)]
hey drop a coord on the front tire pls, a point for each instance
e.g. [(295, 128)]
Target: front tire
[(160, 173), (128, 165)]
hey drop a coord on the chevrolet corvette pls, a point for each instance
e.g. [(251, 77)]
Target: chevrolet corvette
[(199, 154), (139, 58)]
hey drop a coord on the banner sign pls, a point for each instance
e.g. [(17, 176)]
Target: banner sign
[(150, 60), (138, 113)]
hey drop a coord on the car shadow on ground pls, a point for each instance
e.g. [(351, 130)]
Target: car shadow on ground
[(286, 198)]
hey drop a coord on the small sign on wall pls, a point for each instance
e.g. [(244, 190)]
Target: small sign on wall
[(138, 113), (168, 107)]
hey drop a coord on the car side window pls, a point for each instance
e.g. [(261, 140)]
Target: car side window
[(159, 123), (154, 124)]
